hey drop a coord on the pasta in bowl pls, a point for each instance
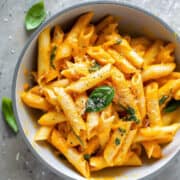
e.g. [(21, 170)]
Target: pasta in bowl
[(104, 96)]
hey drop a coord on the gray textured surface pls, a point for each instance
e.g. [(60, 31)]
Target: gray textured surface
[(16, 161)]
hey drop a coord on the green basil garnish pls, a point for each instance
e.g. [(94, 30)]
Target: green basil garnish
[(87, 157), (99, 99), (163, 99), (131, 114), (118, 41), (130, 110), (94, 67), (122, 131), (7, 110), (117, 141), (172, 106), (52, 56), (35, 16)]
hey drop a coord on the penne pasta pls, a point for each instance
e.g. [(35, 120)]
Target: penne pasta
[(75, 158), (92, 123), (157, 71), (122, 63), (104, 96), (124, 96), (152, 103), (176, 95), (90, 80), (51, 118), (169, 88), (121, 156), (70, 111), (58, 35), (152, 52), (98, 162), (159, 134), (43, 53), (35, 101), (43, 133), (125, 49), (153, 150), (104, 23), (137, 86), (100, 55)]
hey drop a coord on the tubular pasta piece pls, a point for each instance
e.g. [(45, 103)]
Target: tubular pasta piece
[(152, 103), (90, 80), (92, 123), (35, 101), (153, 150), (176, 95), (70, 111), (159, 134), (100, 55), (43, 133), (103, 23), (152, 52), (125, 49), (122, 63), (75, 158), (43, 53), (51, 118), (137, 87), (157, 71)]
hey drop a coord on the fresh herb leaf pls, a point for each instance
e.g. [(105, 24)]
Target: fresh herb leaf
[(53, 55), (122, 131), (118, 41), (129, 114), (163, 99), (172, 106), (130, 111), (117, 141), (7, 110), (35, 16), (133, 118), (94, 67), (99, 99), (87, 157)]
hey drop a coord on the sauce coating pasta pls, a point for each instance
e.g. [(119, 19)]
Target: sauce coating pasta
[(104, 96)]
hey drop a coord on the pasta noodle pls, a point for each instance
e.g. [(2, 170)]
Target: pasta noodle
[(104, 97)]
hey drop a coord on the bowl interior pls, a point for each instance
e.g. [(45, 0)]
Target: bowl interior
[(131, 20)]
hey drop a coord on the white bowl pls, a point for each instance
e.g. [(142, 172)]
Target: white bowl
[(132, 20)]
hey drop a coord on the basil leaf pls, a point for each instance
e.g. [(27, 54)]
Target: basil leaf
[(130, 111), (87, 157), (94, 67), (163, 99), (117, 141), (53, 55), (122, 131), (118, 41), (172, 106), (129, 114), (100, 98), (35, 16), (7, 110)]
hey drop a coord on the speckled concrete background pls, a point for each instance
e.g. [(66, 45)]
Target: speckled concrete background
[(16, 161)]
